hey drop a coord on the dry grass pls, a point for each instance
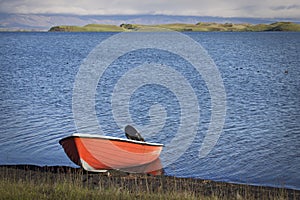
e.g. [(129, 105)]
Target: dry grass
[(31, 182)]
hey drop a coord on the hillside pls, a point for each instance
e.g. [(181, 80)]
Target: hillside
[(42, 22), (87, 28), (199, 27)]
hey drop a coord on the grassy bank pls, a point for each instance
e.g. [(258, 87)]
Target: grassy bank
[(87, 28), (31, 182), (199, 27)]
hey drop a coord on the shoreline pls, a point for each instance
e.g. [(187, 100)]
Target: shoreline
[(182, 27), (130, 183)]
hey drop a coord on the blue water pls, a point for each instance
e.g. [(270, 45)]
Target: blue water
[(260, 141)]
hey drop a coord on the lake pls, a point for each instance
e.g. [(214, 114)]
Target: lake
[(259, 142)]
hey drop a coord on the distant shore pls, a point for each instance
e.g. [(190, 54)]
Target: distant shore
[(199, 27), (34, 182)]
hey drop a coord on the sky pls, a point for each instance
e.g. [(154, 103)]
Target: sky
[(219, 8)]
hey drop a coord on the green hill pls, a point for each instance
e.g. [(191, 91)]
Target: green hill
[(199, 27), (87, 28)]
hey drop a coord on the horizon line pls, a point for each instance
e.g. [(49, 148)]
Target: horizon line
[(133, 15)]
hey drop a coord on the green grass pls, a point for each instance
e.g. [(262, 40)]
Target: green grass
[(199, 27), (87, 28), (72, 187), (69, 190), (284, 26), (16, 183)]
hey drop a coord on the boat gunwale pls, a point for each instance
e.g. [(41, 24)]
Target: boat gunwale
[(81, 135)]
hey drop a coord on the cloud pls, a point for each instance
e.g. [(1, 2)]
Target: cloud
[(286, 7), (222, 8)]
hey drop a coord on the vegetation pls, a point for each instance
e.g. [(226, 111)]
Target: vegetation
[(201, 26), (87, 28), (30, 182)]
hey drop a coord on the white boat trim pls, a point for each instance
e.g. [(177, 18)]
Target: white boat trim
[(87, 167), (85, 135)]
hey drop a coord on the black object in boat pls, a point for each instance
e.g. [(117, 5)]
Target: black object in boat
[(133, 134)]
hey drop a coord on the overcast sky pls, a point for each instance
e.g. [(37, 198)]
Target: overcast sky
[(222, 8)]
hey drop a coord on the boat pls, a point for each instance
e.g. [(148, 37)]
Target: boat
[(98, 153)]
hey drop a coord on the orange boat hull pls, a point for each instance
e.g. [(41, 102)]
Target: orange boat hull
[(94, 152)]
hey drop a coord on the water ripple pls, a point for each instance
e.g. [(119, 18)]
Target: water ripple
[(260, 142)]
